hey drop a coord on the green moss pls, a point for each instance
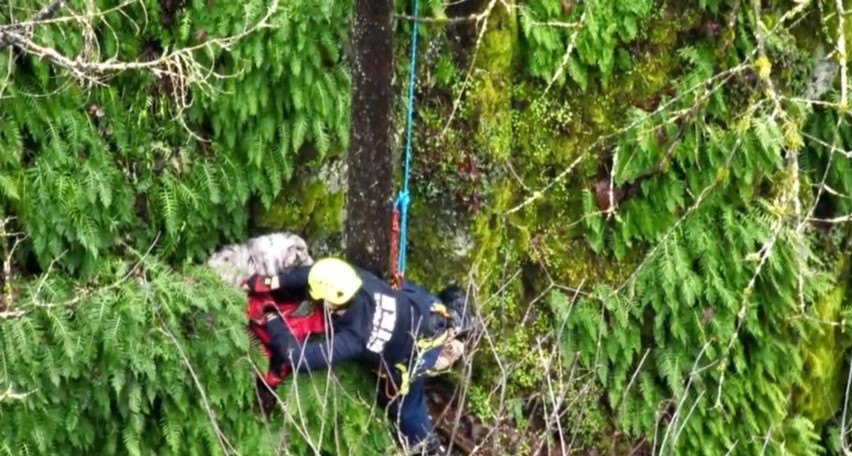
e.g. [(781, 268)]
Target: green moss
[(432, 260), (492, 99), (512, 122), (305, 207), (821, 394)]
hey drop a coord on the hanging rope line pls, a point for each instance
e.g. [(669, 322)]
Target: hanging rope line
[(399, 224)]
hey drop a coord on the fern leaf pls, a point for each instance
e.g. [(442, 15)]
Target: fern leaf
[(321, 137), (169, 207), (211, 184), (284, 141), (300, 129)]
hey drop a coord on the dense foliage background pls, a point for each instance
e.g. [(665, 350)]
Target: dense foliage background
[(651, 201)]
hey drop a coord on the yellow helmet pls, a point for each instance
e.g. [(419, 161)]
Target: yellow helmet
[(333, 280)]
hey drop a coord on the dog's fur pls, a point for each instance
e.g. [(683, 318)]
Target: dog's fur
[(268, 254)]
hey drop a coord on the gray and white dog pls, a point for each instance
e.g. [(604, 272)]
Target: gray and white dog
[(268, 254)]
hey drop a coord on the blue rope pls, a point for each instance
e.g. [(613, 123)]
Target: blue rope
[(402, 200)]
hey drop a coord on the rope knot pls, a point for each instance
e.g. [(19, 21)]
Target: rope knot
[(402, 200)]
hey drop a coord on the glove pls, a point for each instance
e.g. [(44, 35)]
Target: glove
[(258, 283), (272, 380), (266, 397)]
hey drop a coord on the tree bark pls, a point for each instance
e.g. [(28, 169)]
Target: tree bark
[(369, 195)]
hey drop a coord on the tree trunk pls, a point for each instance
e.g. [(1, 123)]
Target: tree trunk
[(370, 165)]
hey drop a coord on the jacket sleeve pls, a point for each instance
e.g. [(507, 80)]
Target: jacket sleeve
[(293, 284), (344, 345)]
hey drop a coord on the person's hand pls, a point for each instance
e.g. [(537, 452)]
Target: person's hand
[(258, 283), (266, 398), (272, 379)]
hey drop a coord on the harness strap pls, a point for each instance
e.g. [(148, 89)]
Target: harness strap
[(422, 345)]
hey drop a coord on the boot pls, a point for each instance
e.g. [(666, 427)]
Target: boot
[(455, 298), (432, 446)]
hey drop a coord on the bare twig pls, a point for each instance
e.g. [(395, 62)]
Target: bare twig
[(439, 20), (11, 395), (48, 11), (566, 57), (841, 51)]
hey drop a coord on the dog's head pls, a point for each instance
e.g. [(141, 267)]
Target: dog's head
[(278, 252), (268, 254)]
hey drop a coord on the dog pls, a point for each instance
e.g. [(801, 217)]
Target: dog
[(269, 254)]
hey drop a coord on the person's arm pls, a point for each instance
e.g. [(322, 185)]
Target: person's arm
[(295, 280), (291, 283), (343, 345)]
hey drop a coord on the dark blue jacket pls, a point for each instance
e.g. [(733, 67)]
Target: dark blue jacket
[(377, 327)]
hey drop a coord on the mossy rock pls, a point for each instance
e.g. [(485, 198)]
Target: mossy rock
[(820, 396), (310, 205)]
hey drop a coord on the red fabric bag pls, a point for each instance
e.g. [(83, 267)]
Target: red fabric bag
[(301, 326)]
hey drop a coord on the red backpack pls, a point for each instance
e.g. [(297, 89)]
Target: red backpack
[(301, 326)]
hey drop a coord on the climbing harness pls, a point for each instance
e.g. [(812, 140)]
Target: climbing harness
[(399, 223), (442, 338)]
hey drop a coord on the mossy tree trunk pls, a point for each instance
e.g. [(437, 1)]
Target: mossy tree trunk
[(370, 175)]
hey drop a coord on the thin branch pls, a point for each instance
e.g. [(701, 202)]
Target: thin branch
[(482, 17), (48, 11), (566, 57), (841, 51), (439, 20), (11, 395)]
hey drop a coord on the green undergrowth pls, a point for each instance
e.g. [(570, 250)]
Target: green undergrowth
[(143, 359)]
